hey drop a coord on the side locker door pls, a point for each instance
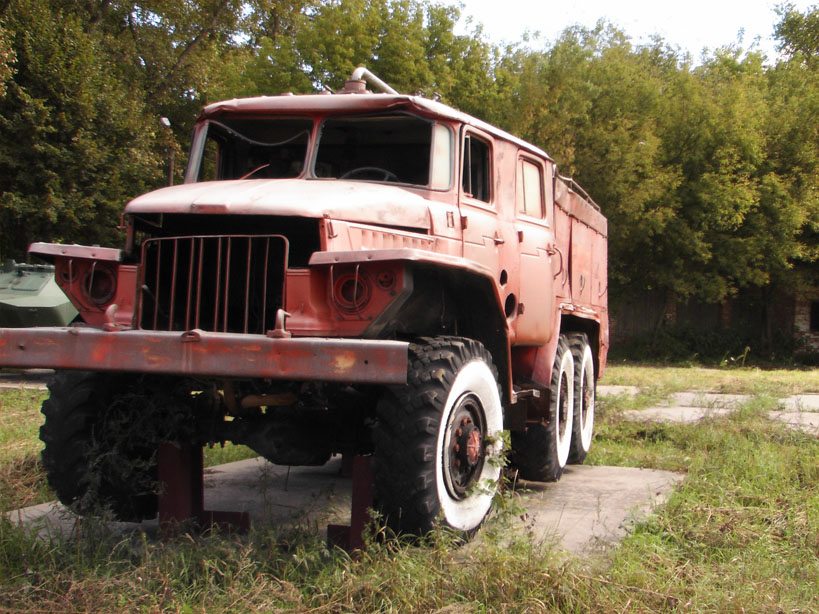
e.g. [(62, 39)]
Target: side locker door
[(563, 235), (535, 234), (582, 261)]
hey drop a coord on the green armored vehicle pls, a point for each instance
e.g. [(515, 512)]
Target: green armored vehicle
[(29, 296)]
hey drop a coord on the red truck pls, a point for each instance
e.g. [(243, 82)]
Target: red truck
[(359, 273)]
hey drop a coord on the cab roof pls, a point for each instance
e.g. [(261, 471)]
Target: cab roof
[(333, 104)]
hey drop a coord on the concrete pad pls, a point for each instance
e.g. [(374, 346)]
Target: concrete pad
[(616, 391), (802, 402), (689, 407), (798, 420), (675, 414), (268, 493), (591, 508), (588, 507)]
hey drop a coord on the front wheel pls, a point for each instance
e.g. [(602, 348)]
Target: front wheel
[(437, 440), (99, 451)]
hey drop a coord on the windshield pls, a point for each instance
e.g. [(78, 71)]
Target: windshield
[(254, 149), (394, 148)]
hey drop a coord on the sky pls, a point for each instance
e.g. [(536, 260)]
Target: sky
[(691, 25)]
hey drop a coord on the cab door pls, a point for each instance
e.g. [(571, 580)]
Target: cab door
[(478, 202), (487, 206)]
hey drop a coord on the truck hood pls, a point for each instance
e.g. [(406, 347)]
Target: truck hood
[(353, 201)]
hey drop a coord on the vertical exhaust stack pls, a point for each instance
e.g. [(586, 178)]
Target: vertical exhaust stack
[(357, 83)]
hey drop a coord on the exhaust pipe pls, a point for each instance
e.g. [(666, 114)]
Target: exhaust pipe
[(360, 77)]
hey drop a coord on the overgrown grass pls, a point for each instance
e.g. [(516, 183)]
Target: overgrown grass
[(662, 381), (740, 534), (21, 479)]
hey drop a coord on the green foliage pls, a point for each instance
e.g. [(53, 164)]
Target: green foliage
[(707, 173), (74, 143), (6, 58), (798, 32)]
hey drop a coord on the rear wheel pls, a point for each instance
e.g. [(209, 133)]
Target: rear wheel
[(437, 443), (584, 397), (541, 451), (99, 453)]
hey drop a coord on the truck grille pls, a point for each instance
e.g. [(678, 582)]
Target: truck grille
[(232, 284)]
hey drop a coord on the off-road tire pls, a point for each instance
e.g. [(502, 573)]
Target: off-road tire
[(90, 467), (437, 439), (541, 451), (584, 397)]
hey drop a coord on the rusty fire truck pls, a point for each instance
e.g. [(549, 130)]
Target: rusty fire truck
[(359, 273)]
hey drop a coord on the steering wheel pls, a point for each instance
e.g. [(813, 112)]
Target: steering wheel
[(375, 173), (254, 171)]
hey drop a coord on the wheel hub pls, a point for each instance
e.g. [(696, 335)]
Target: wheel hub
[(469, 445), (465, 450)]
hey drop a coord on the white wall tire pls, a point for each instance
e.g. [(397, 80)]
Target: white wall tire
[(474, 392), (584, 397), (437, 439), (541, 451), (563, 413)]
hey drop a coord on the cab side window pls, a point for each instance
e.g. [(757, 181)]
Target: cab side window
[(477, 168), (529, 192)]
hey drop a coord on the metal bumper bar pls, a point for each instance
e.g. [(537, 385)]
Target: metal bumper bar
[(200, 353)]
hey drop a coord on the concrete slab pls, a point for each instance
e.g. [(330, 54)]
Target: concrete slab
[(802, 402), (589, 508), (798, 420), (616, 391), (689, 407), (268, 493), (675, 413)]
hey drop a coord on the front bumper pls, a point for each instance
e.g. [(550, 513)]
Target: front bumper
[(205, 354)]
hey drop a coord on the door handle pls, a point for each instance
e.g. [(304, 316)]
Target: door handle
[(557, 249)]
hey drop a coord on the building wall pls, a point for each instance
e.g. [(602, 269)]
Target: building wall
[(806, 319)]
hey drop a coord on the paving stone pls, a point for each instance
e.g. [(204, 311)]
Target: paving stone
[(802, 402), (708, 399), (803, 421), (675, 413)]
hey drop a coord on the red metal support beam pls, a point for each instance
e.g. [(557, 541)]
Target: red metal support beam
[(181, 497), (351, 537)]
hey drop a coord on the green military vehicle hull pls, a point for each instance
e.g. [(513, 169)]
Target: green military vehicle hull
[(29, 296)]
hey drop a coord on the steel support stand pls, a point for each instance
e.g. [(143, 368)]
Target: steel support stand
[(351, 537), (182, 493)]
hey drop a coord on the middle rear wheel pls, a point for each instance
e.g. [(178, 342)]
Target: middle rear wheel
[(542, 450), (584, 397)]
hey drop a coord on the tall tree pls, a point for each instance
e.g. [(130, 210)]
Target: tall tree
[(74, 143), (798, 32)]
